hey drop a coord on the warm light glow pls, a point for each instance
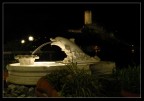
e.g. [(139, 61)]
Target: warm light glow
[(22, 41), (132, 50), (31, 38), (88, 17), (39, 64)]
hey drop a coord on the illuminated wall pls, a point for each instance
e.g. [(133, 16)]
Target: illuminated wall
[(88, 17)]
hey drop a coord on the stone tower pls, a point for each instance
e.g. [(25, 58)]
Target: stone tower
[(87, 17)]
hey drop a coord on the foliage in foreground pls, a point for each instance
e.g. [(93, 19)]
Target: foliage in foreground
[(129, 78), (74, 82)]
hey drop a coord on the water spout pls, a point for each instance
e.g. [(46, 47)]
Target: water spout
[(40, 47)]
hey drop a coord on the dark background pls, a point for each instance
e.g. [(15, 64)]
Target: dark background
[(41, 19)]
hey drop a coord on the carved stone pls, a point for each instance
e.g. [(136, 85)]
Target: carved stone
[(73, 52)]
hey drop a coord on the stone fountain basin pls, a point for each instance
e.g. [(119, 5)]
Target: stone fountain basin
[(37, 66), (30, 74)]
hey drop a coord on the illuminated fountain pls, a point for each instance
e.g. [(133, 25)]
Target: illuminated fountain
[(27, 72), (73, 52), (26, 59)]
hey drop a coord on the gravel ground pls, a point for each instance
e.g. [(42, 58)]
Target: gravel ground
[(19, 91)]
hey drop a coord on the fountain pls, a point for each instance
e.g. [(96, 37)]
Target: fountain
[(29, 74), (27, 71), (73, 52), (40, 47), (26, 59)]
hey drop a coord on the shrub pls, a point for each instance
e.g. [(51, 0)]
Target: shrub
[(129, 78), (74, 82)]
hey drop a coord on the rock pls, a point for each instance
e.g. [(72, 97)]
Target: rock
[(12, 86), (31, 89), (23, 95), (14, 95), (21, 87), (19, 91)]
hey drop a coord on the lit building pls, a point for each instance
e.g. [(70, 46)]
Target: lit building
[(88, 25), (87, 17), (87, 21)]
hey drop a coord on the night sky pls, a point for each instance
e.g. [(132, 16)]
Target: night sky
[(22, 18)]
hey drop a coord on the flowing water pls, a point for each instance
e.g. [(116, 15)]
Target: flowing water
[(40, 47)]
